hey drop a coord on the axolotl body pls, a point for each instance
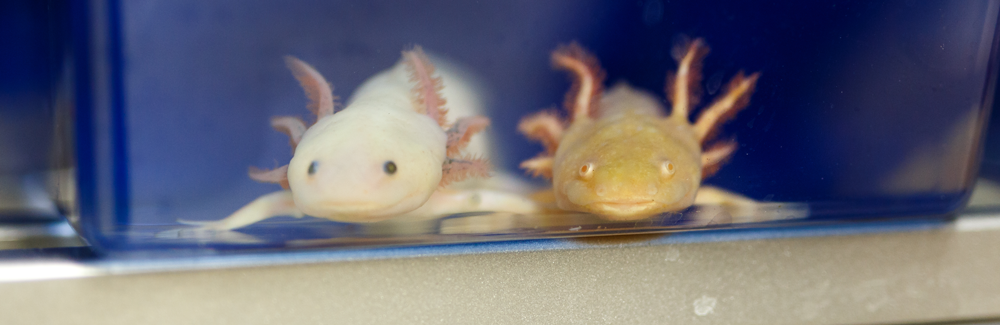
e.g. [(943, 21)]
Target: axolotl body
[(620, 156), (391, 152)]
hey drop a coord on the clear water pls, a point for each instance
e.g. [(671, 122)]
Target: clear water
[(864, 110), (27, 72)]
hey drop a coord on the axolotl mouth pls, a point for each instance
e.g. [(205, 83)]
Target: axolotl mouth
[(361, 211), (626, 210), (622, 203)]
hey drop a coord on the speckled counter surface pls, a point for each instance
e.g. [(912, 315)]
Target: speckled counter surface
[(881, 274)]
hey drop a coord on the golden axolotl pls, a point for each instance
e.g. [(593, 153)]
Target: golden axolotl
[(620, 157), (391, 152)]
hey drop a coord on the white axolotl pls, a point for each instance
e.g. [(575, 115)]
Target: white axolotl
[(390, 153)]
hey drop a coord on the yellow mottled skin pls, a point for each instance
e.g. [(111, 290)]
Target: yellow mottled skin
[(620, 157), (627, 150)]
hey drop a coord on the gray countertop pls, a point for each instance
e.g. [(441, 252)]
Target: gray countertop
[(889, 274)]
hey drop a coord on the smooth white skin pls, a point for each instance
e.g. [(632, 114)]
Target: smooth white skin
[(380, 124), (463, 94), (351, 148)]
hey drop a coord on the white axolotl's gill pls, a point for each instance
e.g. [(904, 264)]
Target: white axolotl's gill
[(390, 153)]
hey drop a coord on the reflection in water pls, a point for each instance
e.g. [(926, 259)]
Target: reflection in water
[(473, 227), (939, 165)]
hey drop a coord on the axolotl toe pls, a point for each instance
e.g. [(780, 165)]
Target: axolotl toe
[(620, 156)]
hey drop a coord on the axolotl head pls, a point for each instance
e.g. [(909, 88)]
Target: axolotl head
[(367, 164), (627, 167)]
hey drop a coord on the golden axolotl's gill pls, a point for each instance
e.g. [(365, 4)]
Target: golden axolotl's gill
[(619, 155), (391, 152)]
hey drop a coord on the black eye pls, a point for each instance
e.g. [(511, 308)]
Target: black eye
[(312, 168), (390, 167)]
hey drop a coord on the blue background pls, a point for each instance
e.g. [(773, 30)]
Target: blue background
[(850, 93), (854, 95)]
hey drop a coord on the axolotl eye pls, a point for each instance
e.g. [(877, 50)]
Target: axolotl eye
[(312, 168), (390, 167), (587, 171), (667, 169)]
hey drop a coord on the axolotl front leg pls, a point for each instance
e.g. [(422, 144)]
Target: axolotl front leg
[(714, 206), (275, 204)]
